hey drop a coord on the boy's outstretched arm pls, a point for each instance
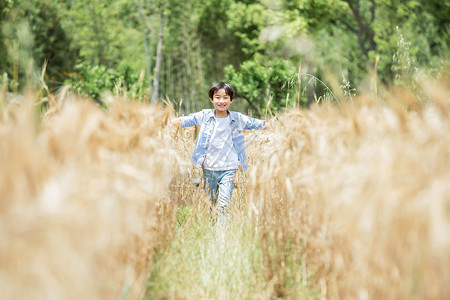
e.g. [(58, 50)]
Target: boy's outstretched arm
[(176, 122), (194, 119), (250, 123)]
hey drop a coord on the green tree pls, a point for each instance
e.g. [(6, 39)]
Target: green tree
[(370, 27), (217, 42), (5, 8), (264, 85), (47, 40), (51, 42), (183, 69), (259, 40), (92, 81), (107, 32)]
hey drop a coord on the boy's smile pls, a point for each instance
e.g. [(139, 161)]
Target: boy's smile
[(221, 103)]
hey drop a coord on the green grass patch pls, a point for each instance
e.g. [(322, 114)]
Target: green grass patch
[(208, 259)]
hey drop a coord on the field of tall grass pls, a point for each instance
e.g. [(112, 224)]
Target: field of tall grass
[(358, 197), (348, 202), (84, 199)]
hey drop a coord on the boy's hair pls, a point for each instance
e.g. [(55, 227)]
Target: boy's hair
[(221, 85)]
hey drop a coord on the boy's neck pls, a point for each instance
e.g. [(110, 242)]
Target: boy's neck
[(221, 114)]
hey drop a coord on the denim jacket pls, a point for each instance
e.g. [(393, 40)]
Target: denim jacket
[(205, 119)]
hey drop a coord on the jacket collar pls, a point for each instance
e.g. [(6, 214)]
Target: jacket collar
[(230, 113)]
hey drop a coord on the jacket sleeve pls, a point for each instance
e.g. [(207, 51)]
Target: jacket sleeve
[(250, 123), (194, 119)]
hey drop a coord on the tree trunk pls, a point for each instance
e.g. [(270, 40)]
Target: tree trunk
[(188, 95), (364, 32), (253, 107), (155, 96), (146, 45)]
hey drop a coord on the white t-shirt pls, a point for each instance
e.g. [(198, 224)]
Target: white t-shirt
[(221, 154)]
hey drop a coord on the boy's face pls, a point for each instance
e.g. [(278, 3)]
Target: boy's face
[(221, 100)]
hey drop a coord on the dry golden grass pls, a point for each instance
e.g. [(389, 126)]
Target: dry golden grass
[(83, 198), (357, 199), (338, 203)]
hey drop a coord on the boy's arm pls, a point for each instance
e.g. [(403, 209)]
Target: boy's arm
[(194, 119), (249, 123), (176, 122)]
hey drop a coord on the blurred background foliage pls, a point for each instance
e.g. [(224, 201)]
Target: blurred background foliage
[(259, 46)]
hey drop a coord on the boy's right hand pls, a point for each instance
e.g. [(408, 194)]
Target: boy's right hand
[(176, 122)]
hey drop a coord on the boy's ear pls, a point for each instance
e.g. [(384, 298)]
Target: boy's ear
[(211, 100)]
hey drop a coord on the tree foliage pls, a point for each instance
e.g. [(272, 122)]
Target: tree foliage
[(258, 45), (92, 80), (374, 26), (33, 35), (264, 85)]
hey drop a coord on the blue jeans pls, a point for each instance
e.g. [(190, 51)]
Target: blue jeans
[(220, 186)]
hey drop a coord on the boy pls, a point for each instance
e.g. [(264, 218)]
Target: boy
[(220, 145)]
